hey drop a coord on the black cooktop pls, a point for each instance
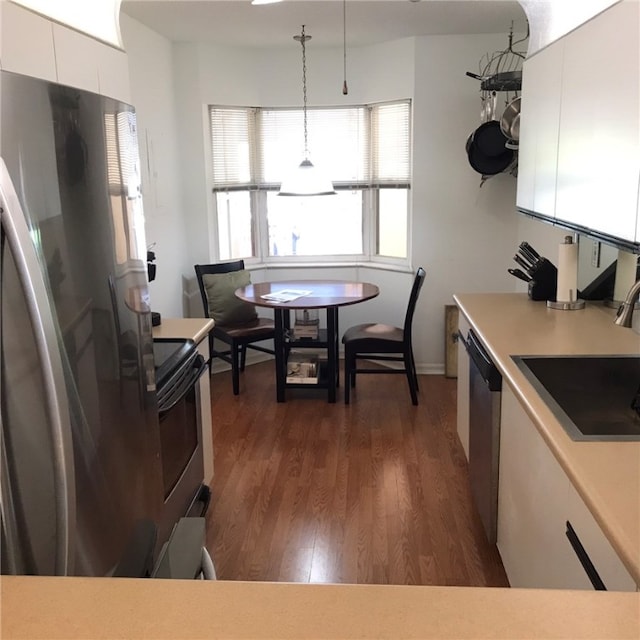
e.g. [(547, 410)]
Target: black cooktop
[(168, 355)]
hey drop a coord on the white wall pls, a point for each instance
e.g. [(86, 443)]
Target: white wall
[(151, 71), (464, 235)]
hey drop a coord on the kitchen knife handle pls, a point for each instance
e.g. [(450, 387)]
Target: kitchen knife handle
[(529, 248), (527, 255), (519, 274), (527, 267)]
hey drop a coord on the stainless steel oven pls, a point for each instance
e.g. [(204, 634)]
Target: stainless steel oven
[(178, 370)]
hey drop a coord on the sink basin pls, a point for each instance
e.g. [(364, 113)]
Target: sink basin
[(593, 397)]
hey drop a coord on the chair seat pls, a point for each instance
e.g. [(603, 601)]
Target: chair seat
[(374, 337), (250, 329)]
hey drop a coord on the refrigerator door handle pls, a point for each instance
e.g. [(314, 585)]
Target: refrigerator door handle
[(9, 534), (17, 233)]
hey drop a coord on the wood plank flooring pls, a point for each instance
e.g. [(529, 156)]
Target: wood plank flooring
[(376, 492)]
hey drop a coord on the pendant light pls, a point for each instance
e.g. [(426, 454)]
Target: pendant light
[(306, 180)]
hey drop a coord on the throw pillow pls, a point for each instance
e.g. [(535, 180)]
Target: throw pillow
[(224, 307)]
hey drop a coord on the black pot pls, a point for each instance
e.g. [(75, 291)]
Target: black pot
[(488, 165), (489, 139)]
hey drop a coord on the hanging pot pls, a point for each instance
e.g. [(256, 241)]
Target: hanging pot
[(489, 139), (488, 165), (510, 120)]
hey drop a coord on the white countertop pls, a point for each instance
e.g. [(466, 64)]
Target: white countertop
[(605, 474), (178, 609), (195, 329)]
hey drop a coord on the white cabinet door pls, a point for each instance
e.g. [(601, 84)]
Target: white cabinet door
[(599, 142), (26, 43), (528, 130), (463, 387), (535, 501), (91, 65), (532, 497), (113, 74), (539, 130), (606, 561), (76, 57)]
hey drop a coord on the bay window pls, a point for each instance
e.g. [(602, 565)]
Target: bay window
[(364, 150)]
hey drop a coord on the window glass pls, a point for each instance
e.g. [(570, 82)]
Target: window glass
[(364, 150), (234, 225), (392, 222), (324, 225)]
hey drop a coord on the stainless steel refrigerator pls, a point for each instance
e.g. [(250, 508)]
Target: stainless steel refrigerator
[(80, 450)]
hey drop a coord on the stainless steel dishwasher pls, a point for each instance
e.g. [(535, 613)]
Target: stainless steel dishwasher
[(485, 387)]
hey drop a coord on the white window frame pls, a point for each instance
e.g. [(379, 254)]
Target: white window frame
[(260, 231)]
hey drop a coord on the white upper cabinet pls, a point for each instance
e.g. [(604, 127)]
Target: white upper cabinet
[(540, 121), (26, 43), (34, 46), (75, 59), (580, 127), (89, 64), (599, 144)]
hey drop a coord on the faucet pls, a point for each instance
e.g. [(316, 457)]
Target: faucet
[(624, 316)]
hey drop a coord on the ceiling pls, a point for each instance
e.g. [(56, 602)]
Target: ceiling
[(239, 23)]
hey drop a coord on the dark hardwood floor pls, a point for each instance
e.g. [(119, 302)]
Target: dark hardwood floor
[(375, 492)]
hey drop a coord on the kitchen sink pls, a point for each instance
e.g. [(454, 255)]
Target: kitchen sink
[(593, 397)]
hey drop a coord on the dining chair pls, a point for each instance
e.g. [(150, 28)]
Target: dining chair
[(373, 341), (236, 322)]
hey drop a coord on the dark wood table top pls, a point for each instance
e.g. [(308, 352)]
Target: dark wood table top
[(323, 293)]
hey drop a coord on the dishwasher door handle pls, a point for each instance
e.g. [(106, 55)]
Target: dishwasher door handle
[(458, 336), (480, 358)]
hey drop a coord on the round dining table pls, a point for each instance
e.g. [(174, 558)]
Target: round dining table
[(285, 296)]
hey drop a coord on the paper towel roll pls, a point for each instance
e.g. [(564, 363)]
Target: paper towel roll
[(626, 268), (567, 271)]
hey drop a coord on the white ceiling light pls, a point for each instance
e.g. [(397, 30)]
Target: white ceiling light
[(265, 1), (306, 180)]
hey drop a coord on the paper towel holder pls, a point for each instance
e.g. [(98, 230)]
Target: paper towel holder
[(573, 303), (566, 306)]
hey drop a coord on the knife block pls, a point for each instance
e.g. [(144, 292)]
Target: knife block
[(544, 281)]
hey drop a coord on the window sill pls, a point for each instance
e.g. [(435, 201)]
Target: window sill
[(380, 266)]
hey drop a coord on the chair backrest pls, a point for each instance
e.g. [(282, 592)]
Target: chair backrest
[(413, 299), (220, 267)]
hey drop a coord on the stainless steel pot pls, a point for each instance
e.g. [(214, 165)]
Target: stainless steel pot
[(510, 120)]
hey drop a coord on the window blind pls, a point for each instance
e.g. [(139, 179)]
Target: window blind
[(233, 147), (356, 146), (391, 151)]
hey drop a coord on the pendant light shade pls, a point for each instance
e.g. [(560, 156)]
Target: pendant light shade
[(306, 180)]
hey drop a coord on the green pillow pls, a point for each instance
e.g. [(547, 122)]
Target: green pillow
[(224, 307)]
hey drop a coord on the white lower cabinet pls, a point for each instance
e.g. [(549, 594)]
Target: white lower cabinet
[(535, 501), (463, 387)]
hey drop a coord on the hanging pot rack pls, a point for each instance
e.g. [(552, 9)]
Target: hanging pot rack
[(501, 70)]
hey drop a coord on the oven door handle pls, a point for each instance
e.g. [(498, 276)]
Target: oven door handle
[(199, 367)]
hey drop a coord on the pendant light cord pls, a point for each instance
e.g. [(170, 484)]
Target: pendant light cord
[(303, 38), (304, 93), (345, 89)]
